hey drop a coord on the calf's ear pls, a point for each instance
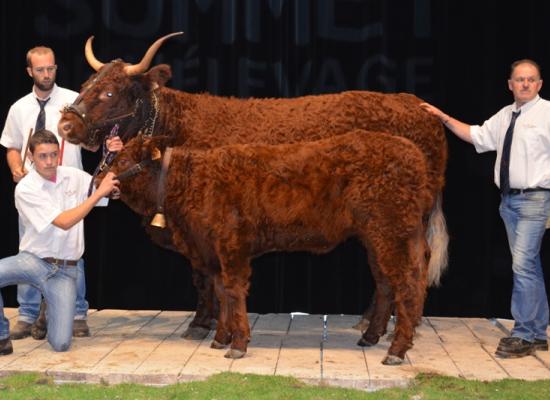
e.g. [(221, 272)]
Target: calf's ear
[(158, 76), (155, 154), (153, 147)]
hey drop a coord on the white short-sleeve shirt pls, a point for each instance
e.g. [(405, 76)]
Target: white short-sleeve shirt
[(39, 201), (530, 152), (22, 117)]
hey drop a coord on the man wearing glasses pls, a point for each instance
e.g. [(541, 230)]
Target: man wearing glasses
[(39, 110), (520, 135)]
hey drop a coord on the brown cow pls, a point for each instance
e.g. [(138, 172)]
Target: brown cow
[(233, 203), (139, 102)]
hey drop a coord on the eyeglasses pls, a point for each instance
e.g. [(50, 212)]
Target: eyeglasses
[(528, 80), (40, 70)]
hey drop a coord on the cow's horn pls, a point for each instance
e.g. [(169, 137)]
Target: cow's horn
[(89, 53), (148, 57)]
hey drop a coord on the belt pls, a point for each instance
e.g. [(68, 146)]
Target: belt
[(57, 261), (521, 191)]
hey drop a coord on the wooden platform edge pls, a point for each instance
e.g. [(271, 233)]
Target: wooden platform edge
[(473, 334)]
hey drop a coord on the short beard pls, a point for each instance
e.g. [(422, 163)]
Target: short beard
[(44, 87)]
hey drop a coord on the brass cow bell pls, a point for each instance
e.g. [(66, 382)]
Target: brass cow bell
[(158, 220)]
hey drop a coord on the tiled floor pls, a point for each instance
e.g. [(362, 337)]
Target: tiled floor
[(146, 347)]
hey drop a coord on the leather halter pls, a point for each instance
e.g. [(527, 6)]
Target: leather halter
[(79, 109), (137, 168), (80, 112), (159, 219), (106, 160), (134, 169), (105, 164)]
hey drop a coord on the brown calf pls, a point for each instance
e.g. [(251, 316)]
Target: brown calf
[(227, 205)]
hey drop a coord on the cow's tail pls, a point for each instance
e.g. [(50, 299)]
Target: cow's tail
[(438, 240)]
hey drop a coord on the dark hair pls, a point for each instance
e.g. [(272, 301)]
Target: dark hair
[(524, 61), (42, 136)]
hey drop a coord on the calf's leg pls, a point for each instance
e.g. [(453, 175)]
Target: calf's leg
[(380, 308), (207, 307), (235, 276), (381, 311)]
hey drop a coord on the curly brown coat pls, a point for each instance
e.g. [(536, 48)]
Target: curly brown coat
[(227, 205)]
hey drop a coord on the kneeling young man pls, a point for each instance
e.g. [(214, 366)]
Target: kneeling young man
[(52, 203)]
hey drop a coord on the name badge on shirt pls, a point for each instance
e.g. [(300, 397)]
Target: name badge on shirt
[(527, 125)]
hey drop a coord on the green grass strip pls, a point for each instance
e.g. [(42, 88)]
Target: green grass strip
[(228, 386)]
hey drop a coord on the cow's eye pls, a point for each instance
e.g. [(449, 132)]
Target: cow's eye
[(106, 96)]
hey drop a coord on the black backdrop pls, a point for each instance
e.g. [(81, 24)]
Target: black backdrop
[(455, 54)]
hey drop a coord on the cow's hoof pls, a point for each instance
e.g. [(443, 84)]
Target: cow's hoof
[(392, 360), (234, 354), (195, 333), (367, 342), (361, 325), (217, 345)]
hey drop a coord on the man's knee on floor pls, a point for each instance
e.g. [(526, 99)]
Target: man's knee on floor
[(62, 345)]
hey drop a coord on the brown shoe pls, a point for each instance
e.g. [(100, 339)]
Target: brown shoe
[(21, 330), (40, 326), (540, 344), (514, 347), (80, 328), (6, 347)]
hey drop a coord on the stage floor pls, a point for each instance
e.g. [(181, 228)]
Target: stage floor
[(145, 347)]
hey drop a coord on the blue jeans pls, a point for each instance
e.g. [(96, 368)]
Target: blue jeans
[(525, 218), (57, 284), (29, 298)]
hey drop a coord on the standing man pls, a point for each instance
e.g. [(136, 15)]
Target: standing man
[(52, 202), (520, 134), (40, 109)]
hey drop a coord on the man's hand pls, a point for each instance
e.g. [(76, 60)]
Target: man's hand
[(16, 164), (459, 128), (69, 218), (115, 193), (114, 144), (435, 111), (18, 174), (108, 185)]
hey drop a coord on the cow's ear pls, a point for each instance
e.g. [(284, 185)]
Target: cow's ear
[(159, 75)]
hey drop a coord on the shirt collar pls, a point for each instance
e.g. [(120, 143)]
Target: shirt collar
[(35, 179), (52, 93), (40, 183), (527, 106)]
